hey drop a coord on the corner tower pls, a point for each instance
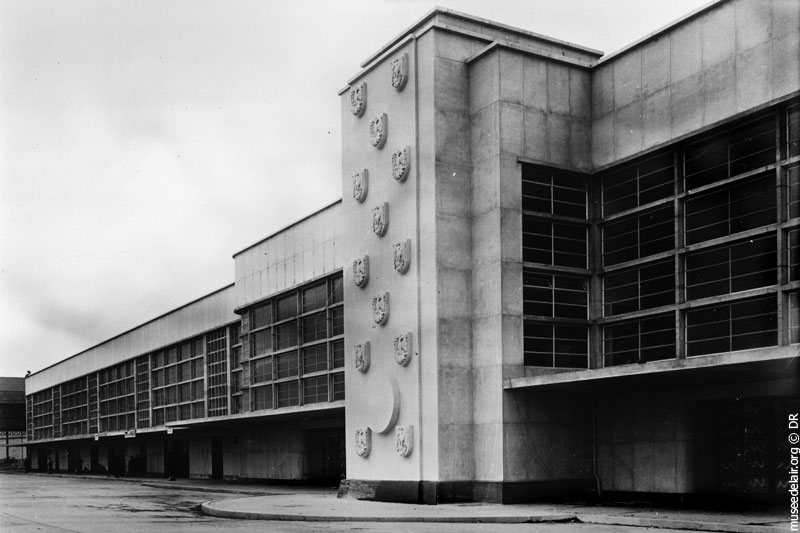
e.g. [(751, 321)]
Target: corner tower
[(431, 135)]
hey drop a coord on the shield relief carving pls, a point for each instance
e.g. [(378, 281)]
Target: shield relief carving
[(402, 256), (401, 163), (358, 99), (360, 185), (377, 130), (400, 72), (380, 219), (361, 271), (380, 308)]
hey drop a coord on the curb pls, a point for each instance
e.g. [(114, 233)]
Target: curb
[(208, 509), (676, 523), (609, 520), (157, 485)]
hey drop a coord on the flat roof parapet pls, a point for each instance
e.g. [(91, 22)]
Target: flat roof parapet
[(495, 31)]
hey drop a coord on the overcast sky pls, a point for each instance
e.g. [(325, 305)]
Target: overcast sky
[(143, 142)]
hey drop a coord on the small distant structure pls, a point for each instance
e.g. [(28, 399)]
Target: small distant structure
[(12, 421)]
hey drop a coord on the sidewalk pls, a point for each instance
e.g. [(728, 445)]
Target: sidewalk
[(320, 504), (325, 507)]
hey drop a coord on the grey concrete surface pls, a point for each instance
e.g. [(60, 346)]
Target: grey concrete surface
[(51, 504), (86, 504)]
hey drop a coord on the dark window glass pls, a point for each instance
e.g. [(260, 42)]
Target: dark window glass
[(794, 254), (315, 297), (185, 392), (315, 358), (236, 404), (315, 327), (198, 392), (287, 393), (337, 290), (262, 316), (639, 288), (236, 357), (261, 342), (287, 306), (337, 348), (184, 371), (236, 330), (261, 398), (731, 153), (793, 131), (315, 389), (732, 326), (337, 321), (286, 365), (172, 394), (337, 383), (261, 370), (793, 179), (643, 340), (554, 192), (740, 207), (286, 335), (198, 347), (638, 184), (639, 235), (553, 244), (197, 368), (794, 317), (554, 296), (555, 345), (185, 351), (172, 356), (740, 266)]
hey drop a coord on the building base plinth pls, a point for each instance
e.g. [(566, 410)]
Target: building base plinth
[(433, 492)]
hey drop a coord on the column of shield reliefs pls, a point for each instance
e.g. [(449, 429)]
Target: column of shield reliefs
[(400, 167)]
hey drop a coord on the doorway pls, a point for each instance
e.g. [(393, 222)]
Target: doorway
[(325, 459), (216, 457)]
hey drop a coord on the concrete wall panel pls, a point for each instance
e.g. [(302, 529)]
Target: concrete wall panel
[(202, 315), (733, 57)]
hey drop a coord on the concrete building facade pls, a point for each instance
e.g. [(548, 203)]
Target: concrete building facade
[(551, 272)]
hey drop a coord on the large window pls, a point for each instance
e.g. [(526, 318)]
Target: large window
[(743, 265), (640, 341), (644, 287), (697, 246), (639, 235), (730, 153), (554, 192), (555, 224), (555, 345), (74, 407), (178, 386), (732, 326), (217, 363), (551, 243), (730, 210), (295, 338), (638, 184), (117, 399)]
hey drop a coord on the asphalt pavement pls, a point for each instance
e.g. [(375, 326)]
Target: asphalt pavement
[(320, 504)]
